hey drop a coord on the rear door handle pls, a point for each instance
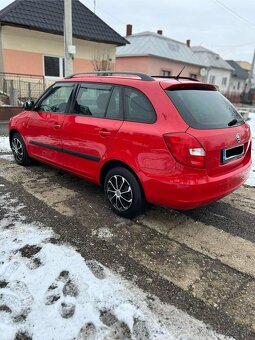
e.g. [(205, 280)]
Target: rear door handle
[(104, 133)]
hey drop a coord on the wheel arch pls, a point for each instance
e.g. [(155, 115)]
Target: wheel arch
[(113, 164), (12, 132)]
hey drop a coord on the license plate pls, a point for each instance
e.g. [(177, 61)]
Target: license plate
[(230, 154)]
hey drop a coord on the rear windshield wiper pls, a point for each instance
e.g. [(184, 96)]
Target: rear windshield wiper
[(233, 122)]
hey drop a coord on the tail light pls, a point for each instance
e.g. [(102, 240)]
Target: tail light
[(186, 149)]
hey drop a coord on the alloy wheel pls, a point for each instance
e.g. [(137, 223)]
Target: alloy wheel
[(119, 193), (17, 149)]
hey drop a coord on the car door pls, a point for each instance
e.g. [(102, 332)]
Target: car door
[(91, 126), (46, 123)]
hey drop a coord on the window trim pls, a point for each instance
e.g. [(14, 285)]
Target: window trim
[(165, 70), (76, 91), (193, 75), (50, 90), (224, 81), (61, 69), (76, 86), (190, 123), (124, 105), (212, 79)]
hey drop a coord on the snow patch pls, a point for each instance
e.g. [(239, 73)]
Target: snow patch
[(102, 233), (4, 144), (7, 157), (48, 291)]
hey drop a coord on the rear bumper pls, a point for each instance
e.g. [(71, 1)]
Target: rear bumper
[(194, 190)]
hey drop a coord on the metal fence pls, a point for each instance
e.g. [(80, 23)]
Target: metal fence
[(17, 88)]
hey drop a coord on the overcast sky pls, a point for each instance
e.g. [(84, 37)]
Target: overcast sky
[(224, 26)]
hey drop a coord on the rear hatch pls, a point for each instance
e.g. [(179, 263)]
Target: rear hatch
[(215, 123)]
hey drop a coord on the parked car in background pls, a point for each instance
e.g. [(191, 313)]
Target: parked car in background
[(169, 141)]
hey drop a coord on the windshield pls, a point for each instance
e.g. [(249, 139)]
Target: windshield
[(205, 109)]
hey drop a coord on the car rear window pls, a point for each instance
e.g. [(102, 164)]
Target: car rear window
[(204, 109)]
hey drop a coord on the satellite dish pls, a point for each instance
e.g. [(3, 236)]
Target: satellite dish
[(203, 72)]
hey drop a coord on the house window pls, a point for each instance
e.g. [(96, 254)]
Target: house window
[(193, 76), (53, 67), (224, 81), (165, 73), (238, 85), (212, 79)]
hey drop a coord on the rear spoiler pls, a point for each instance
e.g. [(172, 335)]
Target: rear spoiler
[(188, 86)]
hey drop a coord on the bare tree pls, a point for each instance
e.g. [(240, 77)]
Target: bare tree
[(102, 62)]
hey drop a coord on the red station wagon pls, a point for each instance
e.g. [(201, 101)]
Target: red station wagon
[(173, 141)]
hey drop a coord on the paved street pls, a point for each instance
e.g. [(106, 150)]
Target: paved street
[(202, 262)]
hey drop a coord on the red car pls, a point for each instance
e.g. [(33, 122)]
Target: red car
[(174, 142)]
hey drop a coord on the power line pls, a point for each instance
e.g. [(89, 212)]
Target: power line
[(235, 14), (233, 46)]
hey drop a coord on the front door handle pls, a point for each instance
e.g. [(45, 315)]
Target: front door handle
[(56, 125), (104, 133)]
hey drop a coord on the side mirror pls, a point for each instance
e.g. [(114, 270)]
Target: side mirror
[(29, 105)]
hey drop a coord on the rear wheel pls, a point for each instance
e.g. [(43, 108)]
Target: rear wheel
[(124, 193), (19, 150)]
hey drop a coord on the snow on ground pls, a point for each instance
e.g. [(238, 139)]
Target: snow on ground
[(4, 144), (251, 122), (48, 291)]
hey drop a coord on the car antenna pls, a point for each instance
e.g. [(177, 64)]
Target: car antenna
[(178, 75)]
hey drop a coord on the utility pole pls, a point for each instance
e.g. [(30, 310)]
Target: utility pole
[(246, 97), (68, 38), (251, 74)]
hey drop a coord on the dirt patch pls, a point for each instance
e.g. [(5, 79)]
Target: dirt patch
[(3, 284), (29, 251)]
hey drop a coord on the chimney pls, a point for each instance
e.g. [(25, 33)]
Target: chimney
[(188, 42), (129, 30), (160, 32)]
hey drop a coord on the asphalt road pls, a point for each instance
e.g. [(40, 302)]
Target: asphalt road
[(201, 261)]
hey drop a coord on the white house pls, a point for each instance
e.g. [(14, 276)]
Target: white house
[(217, 70)]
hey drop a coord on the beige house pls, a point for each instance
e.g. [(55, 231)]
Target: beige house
[(32, 44)]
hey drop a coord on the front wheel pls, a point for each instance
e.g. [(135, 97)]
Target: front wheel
[(124, 193), (19, 150)]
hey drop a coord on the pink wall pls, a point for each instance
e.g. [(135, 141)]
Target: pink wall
[(154, 66), (82, 65), (30, 63), (22, 62), (138, 64)]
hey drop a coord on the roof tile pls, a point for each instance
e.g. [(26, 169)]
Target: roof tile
[(150, 43), (48, 16)]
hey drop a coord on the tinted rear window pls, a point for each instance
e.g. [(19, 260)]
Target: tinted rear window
[(204, 109)]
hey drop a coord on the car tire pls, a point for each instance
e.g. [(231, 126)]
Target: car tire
[(124, 193), (19, 150)]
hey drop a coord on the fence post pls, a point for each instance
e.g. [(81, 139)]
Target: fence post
[(1, 83), (13, 95), (29, 90), (5, 87)]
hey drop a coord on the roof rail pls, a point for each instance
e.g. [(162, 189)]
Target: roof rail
[(142, 76), (175, 77)]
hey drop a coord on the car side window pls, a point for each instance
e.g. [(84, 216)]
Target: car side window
[(114, 110), (92, 100), (57, 99), (137, 107)]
